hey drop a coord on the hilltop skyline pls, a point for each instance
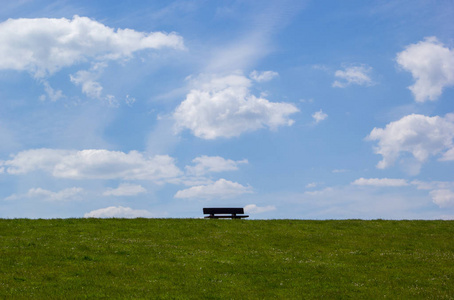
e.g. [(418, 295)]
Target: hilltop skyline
[(291, 109)]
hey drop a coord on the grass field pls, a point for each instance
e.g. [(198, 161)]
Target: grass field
[(239, 259)]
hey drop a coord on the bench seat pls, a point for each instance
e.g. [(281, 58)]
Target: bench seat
[(224, 212)]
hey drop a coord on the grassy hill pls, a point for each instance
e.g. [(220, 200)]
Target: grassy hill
[(240, 259)]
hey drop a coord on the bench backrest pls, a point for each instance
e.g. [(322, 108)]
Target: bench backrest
[(223, 210)]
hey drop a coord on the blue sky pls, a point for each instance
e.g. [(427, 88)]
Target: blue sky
[(291, 109)]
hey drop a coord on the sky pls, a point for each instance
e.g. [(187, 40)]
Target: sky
[(290, 109)]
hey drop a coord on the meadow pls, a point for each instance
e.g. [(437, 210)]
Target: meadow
[(234, 259)]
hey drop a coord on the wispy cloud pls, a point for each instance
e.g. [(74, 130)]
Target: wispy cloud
[(87, 79), (209, 164), (263, 76), (118, 212), (220, 189), (353, 75), (381, 182), (125, 189), (254, 209), (46, 195), (255, 40)]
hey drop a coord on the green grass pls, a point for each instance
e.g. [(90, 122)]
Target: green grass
[(239, 259)]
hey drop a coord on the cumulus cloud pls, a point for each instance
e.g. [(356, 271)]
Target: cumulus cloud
[(381, 182), (209, 164), (46, 195), (93, 164), (118, 212), (431, 65), (224, 107), (319, 116), (263, 76), (126, 189), (443, 198), (358, 75), (35, 159), (254, 209), (419, 135), (219, 189), (43, 46)]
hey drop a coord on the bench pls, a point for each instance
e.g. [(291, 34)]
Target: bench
[(224, 212)]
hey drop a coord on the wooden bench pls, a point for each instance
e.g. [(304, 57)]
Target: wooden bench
[(224, 212)]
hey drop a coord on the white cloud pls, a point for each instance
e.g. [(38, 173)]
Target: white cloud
[(358, 75), (364, 202), (35, 159), (46, 195), (419, 135), (237, 55), (339, 171), (311, 185), (89, 86), (87, 79), (319, 192), (263, 76), (443, 198), (93, 164), (448, 155), (381, 182), (130, 100), (320, 67), (319, 116), (208, 164), (422, 185), (118, 212), (125, 189), (192, 181), (53, 95), (431, 65), (43, 46), (433, 185), (224, 107), (252, 42), (219, 189), (441, 192), (254, 209)]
